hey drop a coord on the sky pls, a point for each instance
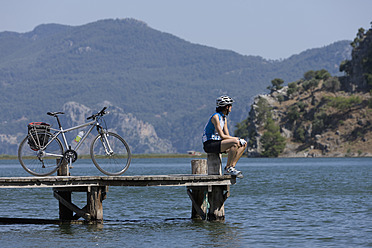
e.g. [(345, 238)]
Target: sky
[(272, 29)]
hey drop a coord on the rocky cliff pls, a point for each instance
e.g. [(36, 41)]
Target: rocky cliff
[(318, 115)]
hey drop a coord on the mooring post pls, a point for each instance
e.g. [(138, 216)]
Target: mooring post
[(64, 212), (210, 197), (216, 193), (95, 196), (198, 195), (214, 162)]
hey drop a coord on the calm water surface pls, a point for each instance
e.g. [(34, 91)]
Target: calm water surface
[(279, 203)]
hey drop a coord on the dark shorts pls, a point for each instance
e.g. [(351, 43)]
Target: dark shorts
[(212, 146)]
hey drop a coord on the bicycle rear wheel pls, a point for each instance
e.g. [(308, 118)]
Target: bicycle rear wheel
[(110, 154), (41, 161)]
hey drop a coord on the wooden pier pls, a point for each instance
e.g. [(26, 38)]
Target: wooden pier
[(207, 188)]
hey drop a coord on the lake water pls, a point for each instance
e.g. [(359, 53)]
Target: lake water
[(296, 202)]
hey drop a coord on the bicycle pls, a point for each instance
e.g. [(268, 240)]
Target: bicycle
[(41, 152)]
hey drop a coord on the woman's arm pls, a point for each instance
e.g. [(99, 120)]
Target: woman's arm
[(224, 134)]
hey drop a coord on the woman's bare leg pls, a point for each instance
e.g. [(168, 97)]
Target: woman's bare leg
[(228, 143), (239, 154), (235, 153)]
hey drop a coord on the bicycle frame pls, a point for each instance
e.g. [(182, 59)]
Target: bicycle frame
[(62, 131)]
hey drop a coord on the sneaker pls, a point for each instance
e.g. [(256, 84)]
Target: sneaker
[(234, 172)]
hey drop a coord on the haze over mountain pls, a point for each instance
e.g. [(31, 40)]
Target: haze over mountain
[(156, 78)]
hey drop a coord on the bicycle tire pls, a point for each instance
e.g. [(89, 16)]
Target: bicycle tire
[(51, 157), (110, 164)]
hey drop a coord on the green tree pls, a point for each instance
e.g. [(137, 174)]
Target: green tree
[(345, 66), (272, 142), (299, 134), (309, 75), (293, 113), (292, 88), (242, 129), (332, 84), (322, 74), (276, 84), (263, 111), (319, 122), (310, 84), (280, 98), (358, 38)]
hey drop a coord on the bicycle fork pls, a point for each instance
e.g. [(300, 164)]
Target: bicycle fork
[(106, 144)]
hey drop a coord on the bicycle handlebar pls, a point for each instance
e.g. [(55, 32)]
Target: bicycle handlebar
[(100, 113)]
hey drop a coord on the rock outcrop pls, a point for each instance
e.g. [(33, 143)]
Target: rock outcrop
[(320, 115)]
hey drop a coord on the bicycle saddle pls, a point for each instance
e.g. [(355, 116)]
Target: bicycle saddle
[(55, 113)]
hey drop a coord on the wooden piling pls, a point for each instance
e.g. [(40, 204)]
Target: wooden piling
[(92, 212), (210, 197), (217, 195), (95, 196), (214, 162), (64, 197), (199, 195)]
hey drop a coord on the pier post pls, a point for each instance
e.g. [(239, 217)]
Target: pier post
[(214, 162), (208, 197), (217, 195), (93, 211), (65, 213), (95, 196), (198, 195)]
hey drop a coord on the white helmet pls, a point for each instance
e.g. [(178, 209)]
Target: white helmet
[(223, 101)]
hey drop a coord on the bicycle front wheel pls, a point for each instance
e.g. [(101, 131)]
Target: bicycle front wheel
[(110, 154), (41, 161)]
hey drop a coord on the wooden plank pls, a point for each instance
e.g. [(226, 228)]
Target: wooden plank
[(89, 181)]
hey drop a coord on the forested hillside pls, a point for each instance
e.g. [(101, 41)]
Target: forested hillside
[(152, 76), (317, 115)]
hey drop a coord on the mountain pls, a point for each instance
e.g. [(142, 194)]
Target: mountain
[(317, 115), (154, 77)]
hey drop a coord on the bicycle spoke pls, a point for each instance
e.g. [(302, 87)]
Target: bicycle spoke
[(41, 162), (110, 154)]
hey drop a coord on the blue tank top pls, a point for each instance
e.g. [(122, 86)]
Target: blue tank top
[(210, 133)]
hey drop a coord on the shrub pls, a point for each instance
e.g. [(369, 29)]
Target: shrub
[(293, 113), (332, 84), (322, 74), (343, 103), (263, 111), (280, 98), (273, 144), (319, 122), (309, 75), (276, 84), (292, 88), (299, 134)]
